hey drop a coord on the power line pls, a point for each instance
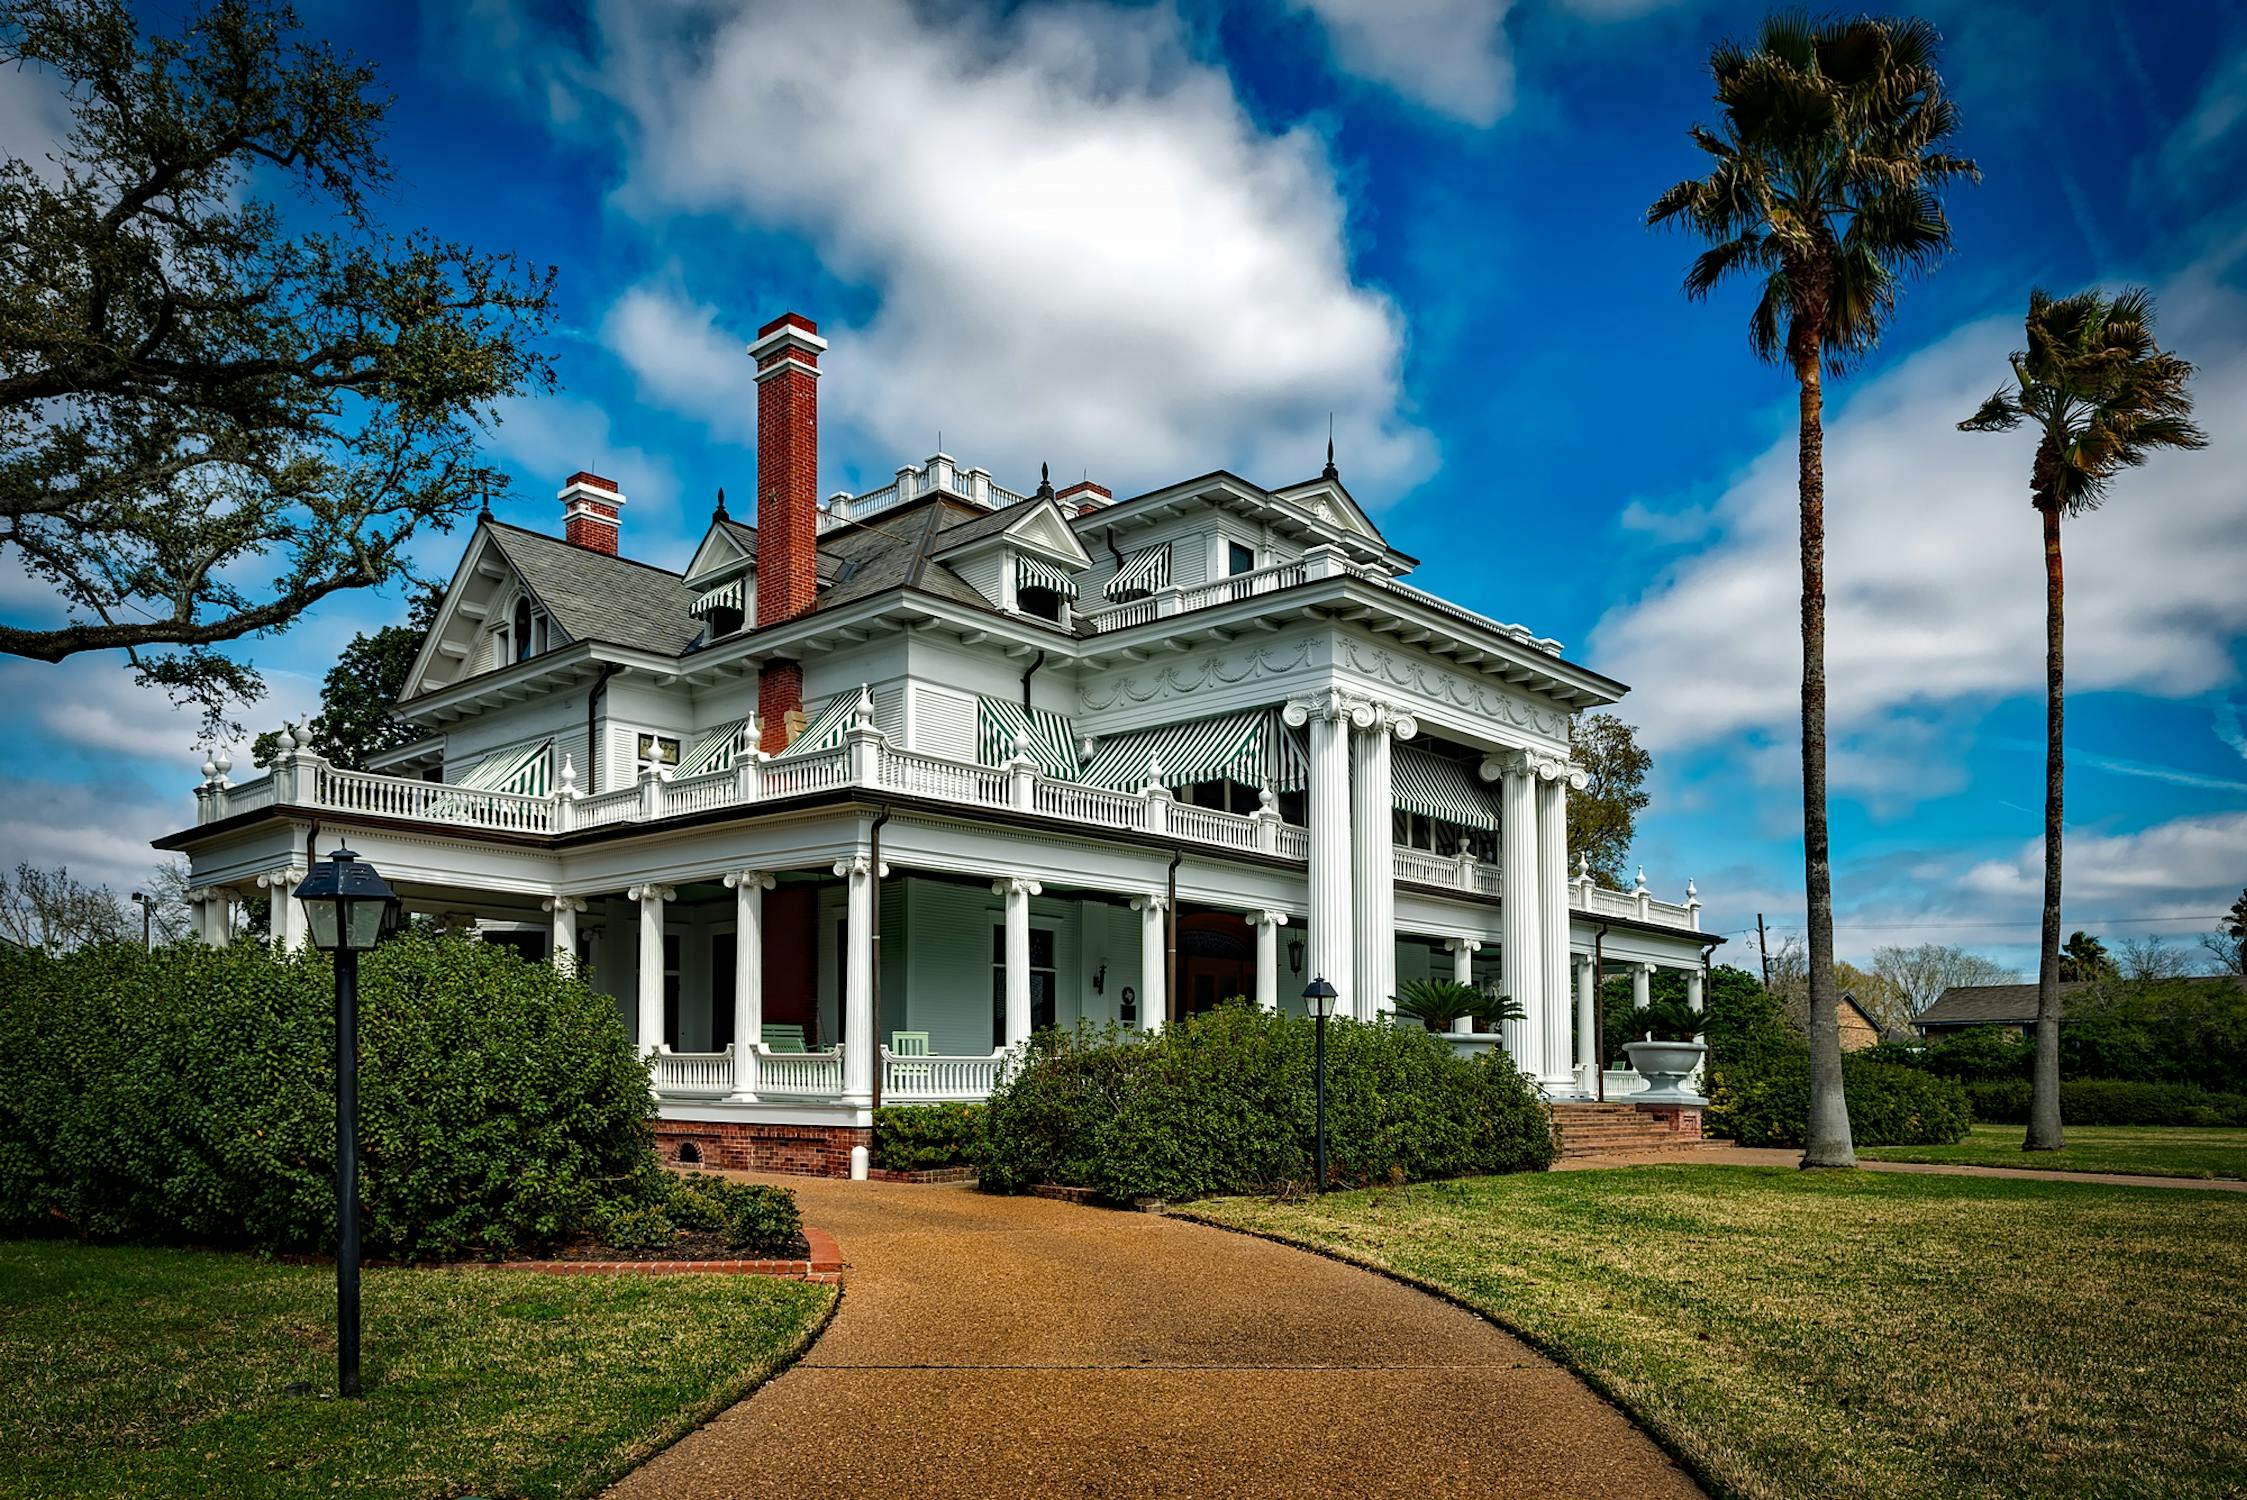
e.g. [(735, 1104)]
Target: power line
[(2071, 922)]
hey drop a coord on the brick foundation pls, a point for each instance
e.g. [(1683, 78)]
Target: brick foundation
[(735, 1146), (1682, 1121)]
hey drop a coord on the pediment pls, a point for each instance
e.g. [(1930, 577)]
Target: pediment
[(1328, 503), (1044, 530), (484, 582), (718, 553)]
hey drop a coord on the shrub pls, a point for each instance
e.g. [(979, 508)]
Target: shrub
[(2109, 1101), (1223, 1103), (1766, 1102), (1981, 1054), (916, 1137), (188, 1096)]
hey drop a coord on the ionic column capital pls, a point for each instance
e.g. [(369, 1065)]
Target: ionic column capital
[(857, 866), (650, 893), (1149, 903), (562, 903), (754, 880), (1262, 919), (1462, 945), (1016, 885), (1533, 763)]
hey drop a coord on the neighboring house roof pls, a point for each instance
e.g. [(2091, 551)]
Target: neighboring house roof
[(1863, 1015), (597, 597), (1988, 1005)]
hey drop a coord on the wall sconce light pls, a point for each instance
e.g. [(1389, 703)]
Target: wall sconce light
[(1100, 979), (1295, 956)]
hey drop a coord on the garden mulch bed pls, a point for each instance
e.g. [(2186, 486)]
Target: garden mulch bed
[(814, 1257)]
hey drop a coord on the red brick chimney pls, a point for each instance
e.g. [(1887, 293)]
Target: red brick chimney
[(1085, 495), (787, 353), (589, 518)]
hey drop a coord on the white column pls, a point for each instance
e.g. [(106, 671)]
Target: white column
[(749, 887), (1642, 985), (1267, 925), (650, 977), (1152, 1002), (1463, 952), (1552, 915), (858, 983), (1331, 853), (1694, 1000), (565, 910), (1017, 893), (1373, 865), (1588, 1060), (1520, 912), (285, 927), (214, 914)]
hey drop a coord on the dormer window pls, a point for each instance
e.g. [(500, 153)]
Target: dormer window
[(1041, 589), (522, 630), (723, 609), (1043, 603)]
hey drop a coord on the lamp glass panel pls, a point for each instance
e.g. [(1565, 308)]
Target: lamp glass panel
[(364, 922), (321, 916)]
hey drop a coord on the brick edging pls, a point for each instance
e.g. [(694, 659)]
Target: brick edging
[(823, 1264)]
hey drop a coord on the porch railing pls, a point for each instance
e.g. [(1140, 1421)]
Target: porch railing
[(709, 1073), (918, 1080), (799, 1075)]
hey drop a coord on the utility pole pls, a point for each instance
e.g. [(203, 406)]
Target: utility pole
[(1763, 946)]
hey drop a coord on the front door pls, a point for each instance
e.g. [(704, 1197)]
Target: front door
[(1216, 960)]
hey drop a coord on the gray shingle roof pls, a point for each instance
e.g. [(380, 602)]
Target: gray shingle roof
[(597, 597), (1988, 1004)]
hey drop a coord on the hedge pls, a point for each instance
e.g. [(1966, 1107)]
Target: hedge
[(916, 1137), (2106, 1101), (1223, 1103), (188, 1096), (1765, 1101)]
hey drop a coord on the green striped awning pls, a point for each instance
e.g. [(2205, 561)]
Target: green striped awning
[(1143, 572), (825, 731), (526, 769), (1253, 748), (1033, 573), (1435, 787), (1047, 737), (729, 595), (714, 749)]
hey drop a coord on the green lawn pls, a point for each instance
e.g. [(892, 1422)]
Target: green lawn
[(1853, 1334), (130, 1372), (2158, 1150)]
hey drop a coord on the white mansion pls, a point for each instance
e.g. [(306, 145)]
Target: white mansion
[(883, 783)]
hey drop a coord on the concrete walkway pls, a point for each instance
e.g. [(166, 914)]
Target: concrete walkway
[(1016, 1346), (1773, 1156)]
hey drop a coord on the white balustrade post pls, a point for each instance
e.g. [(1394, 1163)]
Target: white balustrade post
[(1693, 904), (1017, 893), (651, 792), (1267, 925), (1329, 868), (1158, 798), (1588, 1040), (1267, 818), (858, 983), (749, 887), (565, 797), (1153, 1002), (1021, 776), (862, 742), (1553, 780), (1523, 954), (649, 981), (565, 910), (1373, 862), (1642, 896), (1463, 952), (1325, 561)]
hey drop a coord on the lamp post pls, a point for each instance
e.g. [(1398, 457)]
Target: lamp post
[(1320, 997), (147, 941), (349, 908)]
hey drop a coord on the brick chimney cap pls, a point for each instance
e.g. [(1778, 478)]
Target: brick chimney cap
[(589, 479), (1087, 487), (789, 320)]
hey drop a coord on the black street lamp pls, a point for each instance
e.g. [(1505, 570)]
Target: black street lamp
[(147, 940), (349, 908), (1320, 996)]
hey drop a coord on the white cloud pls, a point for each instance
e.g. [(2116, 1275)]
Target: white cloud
[(2187, 868), (1084, 248), (1449, 56), (89, 705), (34, 119), (98, 830), (549, 438), (1934, 570)]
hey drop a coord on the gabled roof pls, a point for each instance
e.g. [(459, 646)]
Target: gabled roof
[(597, 597), (1036, 523), (895, 550), (1988, 1004)]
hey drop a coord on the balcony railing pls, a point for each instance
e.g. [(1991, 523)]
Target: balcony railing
[(799, 1075), (868, 760), (919, 1080), (705, 1074)]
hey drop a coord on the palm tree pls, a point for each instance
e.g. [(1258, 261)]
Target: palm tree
[(1442, 1003), (2101, 397), (1825, 189)]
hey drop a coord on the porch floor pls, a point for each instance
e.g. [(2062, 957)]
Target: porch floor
[(1018, 1346)]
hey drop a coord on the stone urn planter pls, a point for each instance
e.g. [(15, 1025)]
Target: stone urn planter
[(1665, 1066)]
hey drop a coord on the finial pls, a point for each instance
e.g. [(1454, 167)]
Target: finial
[(285, 742), (1330, 472), (210, 770), (1154, 769), (224, 762), (720, 513), (484, 508), (1583, 865), (1692, 892), (569, 776), (863, 713), (1642, 877), (1045, 482)]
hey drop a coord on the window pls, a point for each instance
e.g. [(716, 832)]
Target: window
[(522, 630), (1042, 982), (660, 748), (1239, 559), (1043, 603)]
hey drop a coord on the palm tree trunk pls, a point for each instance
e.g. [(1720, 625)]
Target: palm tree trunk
[(1827, 1143), (2045, 1131)]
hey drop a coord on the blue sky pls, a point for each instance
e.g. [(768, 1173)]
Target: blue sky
[(1145, 241)]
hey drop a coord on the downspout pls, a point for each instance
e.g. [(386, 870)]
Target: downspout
[(874, 920), (1599, 1015), (1170, 922), (1030, 672), (593, 698)]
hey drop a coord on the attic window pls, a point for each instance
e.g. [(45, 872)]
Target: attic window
[(522, 630)]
